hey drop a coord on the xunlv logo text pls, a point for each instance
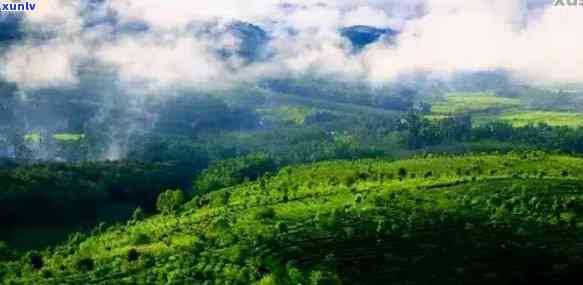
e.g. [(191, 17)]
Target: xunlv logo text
[(17, 7), (568, 3)]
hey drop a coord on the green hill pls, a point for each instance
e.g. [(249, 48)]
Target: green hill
[(474, 219)]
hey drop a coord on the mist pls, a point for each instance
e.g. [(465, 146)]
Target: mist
[(121, 55), (179, 43)]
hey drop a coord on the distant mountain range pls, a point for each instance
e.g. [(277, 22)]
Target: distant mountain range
[(253, 39)]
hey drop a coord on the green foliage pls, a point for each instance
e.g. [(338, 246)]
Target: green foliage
[(36, 261), (477, 219), (140, 239), (324, 278), (525, 118), (133, 255), (170, 201), (473, 102), (266, 213), (85, 264), (67, 137), (138, 214), (192, 114), (268, 280), (402, 172), (5, 252), (69, 193), (220, 198), (287, 114), (378, 230), (231, 172)]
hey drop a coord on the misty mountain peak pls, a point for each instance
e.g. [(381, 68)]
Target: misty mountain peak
[(10, 28), (253, 40), (360, 36)]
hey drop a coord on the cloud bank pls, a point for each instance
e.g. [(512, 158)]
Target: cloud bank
[(193, 43)]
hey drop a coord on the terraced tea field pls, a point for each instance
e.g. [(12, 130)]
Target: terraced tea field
[(440, 220)]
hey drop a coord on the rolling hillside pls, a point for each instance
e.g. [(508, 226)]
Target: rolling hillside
[(473, 219)]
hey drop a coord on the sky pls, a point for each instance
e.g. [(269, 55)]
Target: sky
[(160, 44)]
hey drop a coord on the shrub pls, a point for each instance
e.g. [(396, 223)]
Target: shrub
[(219, 199), (139, 239), (402, 172), (358, 198), (138, 214), (169, 201), (323, 278), (265, 213), (133, 255), (268, 280), (36, 261), (85, 264), (295, 276), (282, 227), (5, 252), (47, 274)]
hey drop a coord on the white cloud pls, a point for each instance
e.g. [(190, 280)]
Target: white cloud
[(40, 65), (163, 62), (369, 16), (483, 35), (55, 16), (440, 36)]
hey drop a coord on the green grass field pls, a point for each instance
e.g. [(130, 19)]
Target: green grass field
[(61, 137), (33, 138), (66, 137), (470, 102), (287, 114), (487, 107), (551, 118)]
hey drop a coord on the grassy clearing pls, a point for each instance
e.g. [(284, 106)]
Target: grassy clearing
[(68, 137), (487, 107), (551, 118), (61, 137), (33, 138), (287, 114), (466, 102)]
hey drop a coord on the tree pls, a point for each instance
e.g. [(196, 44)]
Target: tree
[(402, 173), (36, 261), (85, 264), (234, 171), (133, 255), (138, 214), (169, 201), (5, 252)]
